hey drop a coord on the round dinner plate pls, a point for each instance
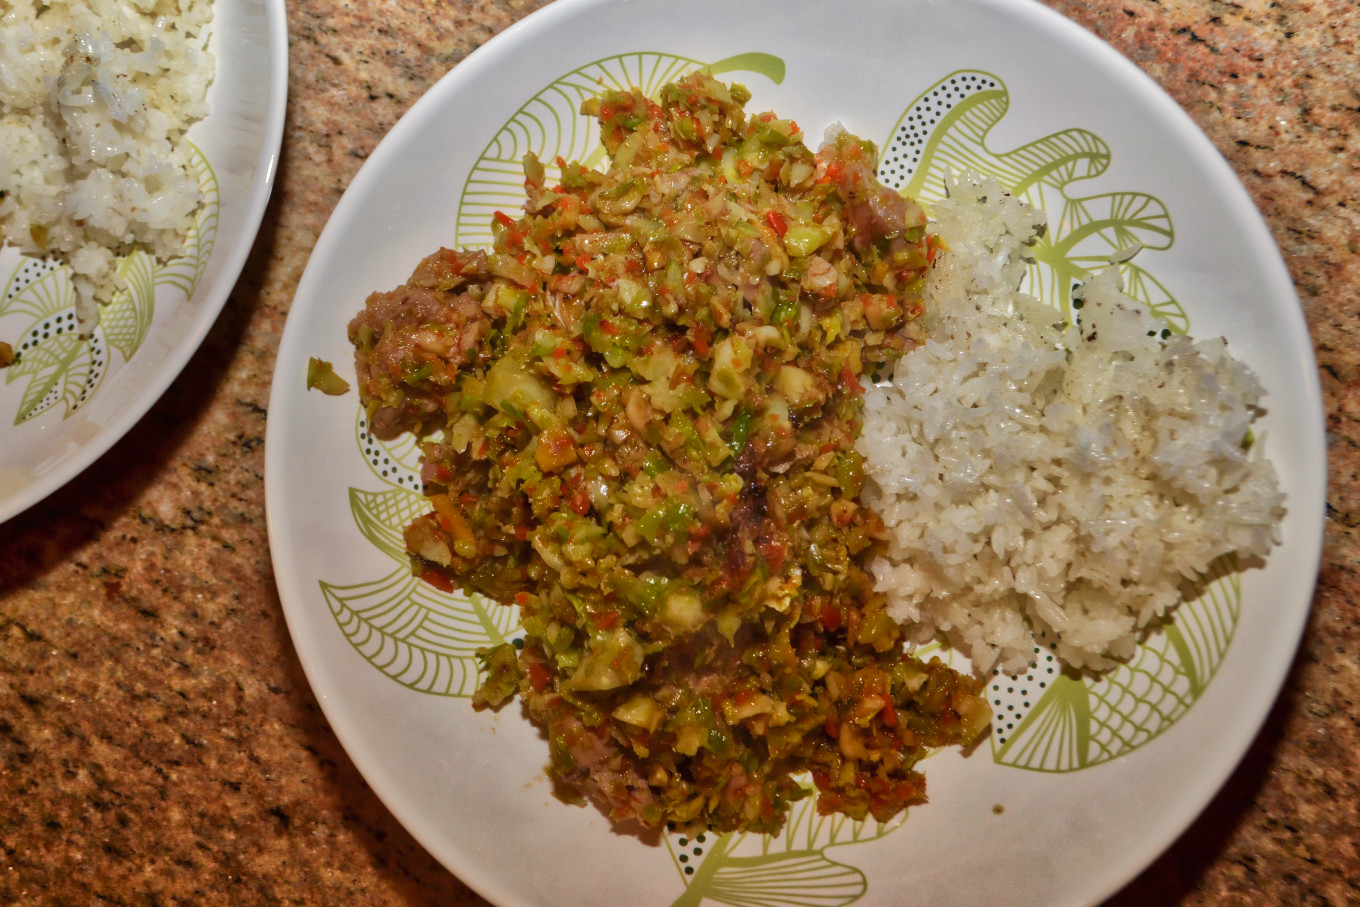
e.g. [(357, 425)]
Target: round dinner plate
[(69, 399), (1083, 781)]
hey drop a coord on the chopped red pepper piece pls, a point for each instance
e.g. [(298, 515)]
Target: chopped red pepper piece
[(437, 579)]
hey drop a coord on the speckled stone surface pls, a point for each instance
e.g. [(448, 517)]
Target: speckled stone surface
[(159, 743)]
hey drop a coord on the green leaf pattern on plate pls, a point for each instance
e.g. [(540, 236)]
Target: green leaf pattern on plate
[(792, 869), (1045, 720), (416, 635), (126, 320), (425, 639), (185, 271), (946, 129), (1079, 722), (550, 125), (59, 365)]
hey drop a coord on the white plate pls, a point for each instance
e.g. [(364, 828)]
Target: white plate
[(1081, 784), (72, 399)]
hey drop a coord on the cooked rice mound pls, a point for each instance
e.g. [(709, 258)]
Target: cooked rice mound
[(1055, 482), (95, 98)]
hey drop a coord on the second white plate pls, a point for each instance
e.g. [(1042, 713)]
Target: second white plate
[(69, 399)]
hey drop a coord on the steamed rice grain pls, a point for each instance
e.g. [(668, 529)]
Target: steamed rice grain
[(1050, 482), (95, 98)]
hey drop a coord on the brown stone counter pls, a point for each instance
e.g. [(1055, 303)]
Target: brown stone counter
[(159, 743)]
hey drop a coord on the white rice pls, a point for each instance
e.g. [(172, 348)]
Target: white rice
[(95, 98), (1064, 481)]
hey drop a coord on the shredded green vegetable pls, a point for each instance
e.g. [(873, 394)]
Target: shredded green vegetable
[(321, 376), (639, 412)]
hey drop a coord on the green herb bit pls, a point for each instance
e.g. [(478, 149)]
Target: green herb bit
[(320, 376)]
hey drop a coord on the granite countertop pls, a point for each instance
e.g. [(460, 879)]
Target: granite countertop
[(159, 742)]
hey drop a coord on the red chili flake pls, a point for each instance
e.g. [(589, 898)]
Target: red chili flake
[(773, 553), (609, 328), (932, 248), (504, 219), (437, 579), (560, 352), (521, 598), (580, 502), (777, 223), (832, 728), (850, 381), (830, 618), (539, 676), (521, 535), (888, 714), (607, 620), (905, 790), (455, 263)]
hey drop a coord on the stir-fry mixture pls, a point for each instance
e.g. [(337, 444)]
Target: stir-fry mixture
[(639, 412)]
